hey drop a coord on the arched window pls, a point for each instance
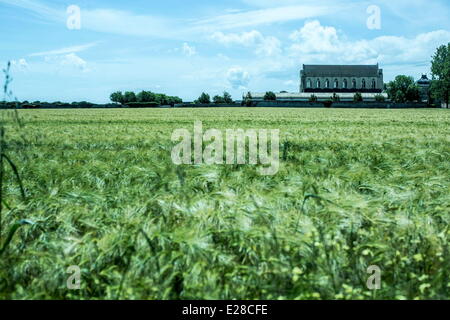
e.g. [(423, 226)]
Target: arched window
[(308, 84), (354, 84), (327, 83), (336, 83), (318, 83), (374, 84), (345, 84), (363, 83)]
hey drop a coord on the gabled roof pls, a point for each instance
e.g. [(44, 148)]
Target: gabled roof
[(340, 70)]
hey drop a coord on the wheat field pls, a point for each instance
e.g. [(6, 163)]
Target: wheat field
[(355, 188)]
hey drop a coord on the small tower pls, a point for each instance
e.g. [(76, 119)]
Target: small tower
[(424, 88)]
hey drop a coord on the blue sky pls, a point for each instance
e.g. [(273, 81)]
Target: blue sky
[(186, 47)]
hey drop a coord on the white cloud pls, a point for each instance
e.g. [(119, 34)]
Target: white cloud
[(223, 57), (188, 50), (238, 78), (36, 7), (266, 46), (72, 60), (65, 50), (263, 16), (245, 38), (69, 61), (314, 43), (291, 83), (129, 23), (20, 64), (315, 38), (110, 20), (270, 46)]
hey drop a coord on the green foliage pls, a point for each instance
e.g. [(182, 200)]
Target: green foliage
[(129, 97), (313, 98), (270, 96), (357, 97), (440, 68), (82, 104), (227, 98), (335, 97), (145, 97), (143, 104), (204, 99), (399, 97), (12, 123), (403, 89), (105, 190), (117, 97), (380, 98), (247, 100), (218, 99)]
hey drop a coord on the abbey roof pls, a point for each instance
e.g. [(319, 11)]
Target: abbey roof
[(340, 70)]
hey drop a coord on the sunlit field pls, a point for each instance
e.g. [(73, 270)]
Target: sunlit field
[(355, 188)]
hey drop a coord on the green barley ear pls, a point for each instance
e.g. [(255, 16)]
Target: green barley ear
[(4, 157), (16, 226)]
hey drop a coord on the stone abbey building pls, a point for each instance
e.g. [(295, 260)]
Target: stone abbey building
[(323, 81), (341, 79)]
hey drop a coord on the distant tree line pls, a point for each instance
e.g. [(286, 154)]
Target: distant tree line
[(52, 105), (223, 99), (144, 98)]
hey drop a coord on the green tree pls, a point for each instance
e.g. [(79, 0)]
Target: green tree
[(335, 97), (313, 98), (174, 100), (440, 70), (357, 97), (146, 96), (403, 89), (399, 97), (380, 98), (117, 97), (204, 98), (270, 96), (227, 97), (218, 99), (129, 97), (162, 99), (247, 100)]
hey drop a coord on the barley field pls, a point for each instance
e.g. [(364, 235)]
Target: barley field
[(355, 188)]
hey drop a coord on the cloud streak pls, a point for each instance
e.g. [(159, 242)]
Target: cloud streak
[(262, 17), (65, 50)]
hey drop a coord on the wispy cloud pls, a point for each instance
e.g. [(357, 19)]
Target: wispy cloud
[(129, 23), (109, 20), (38, 8), (263, 16), (265, 46), (65, 50)]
